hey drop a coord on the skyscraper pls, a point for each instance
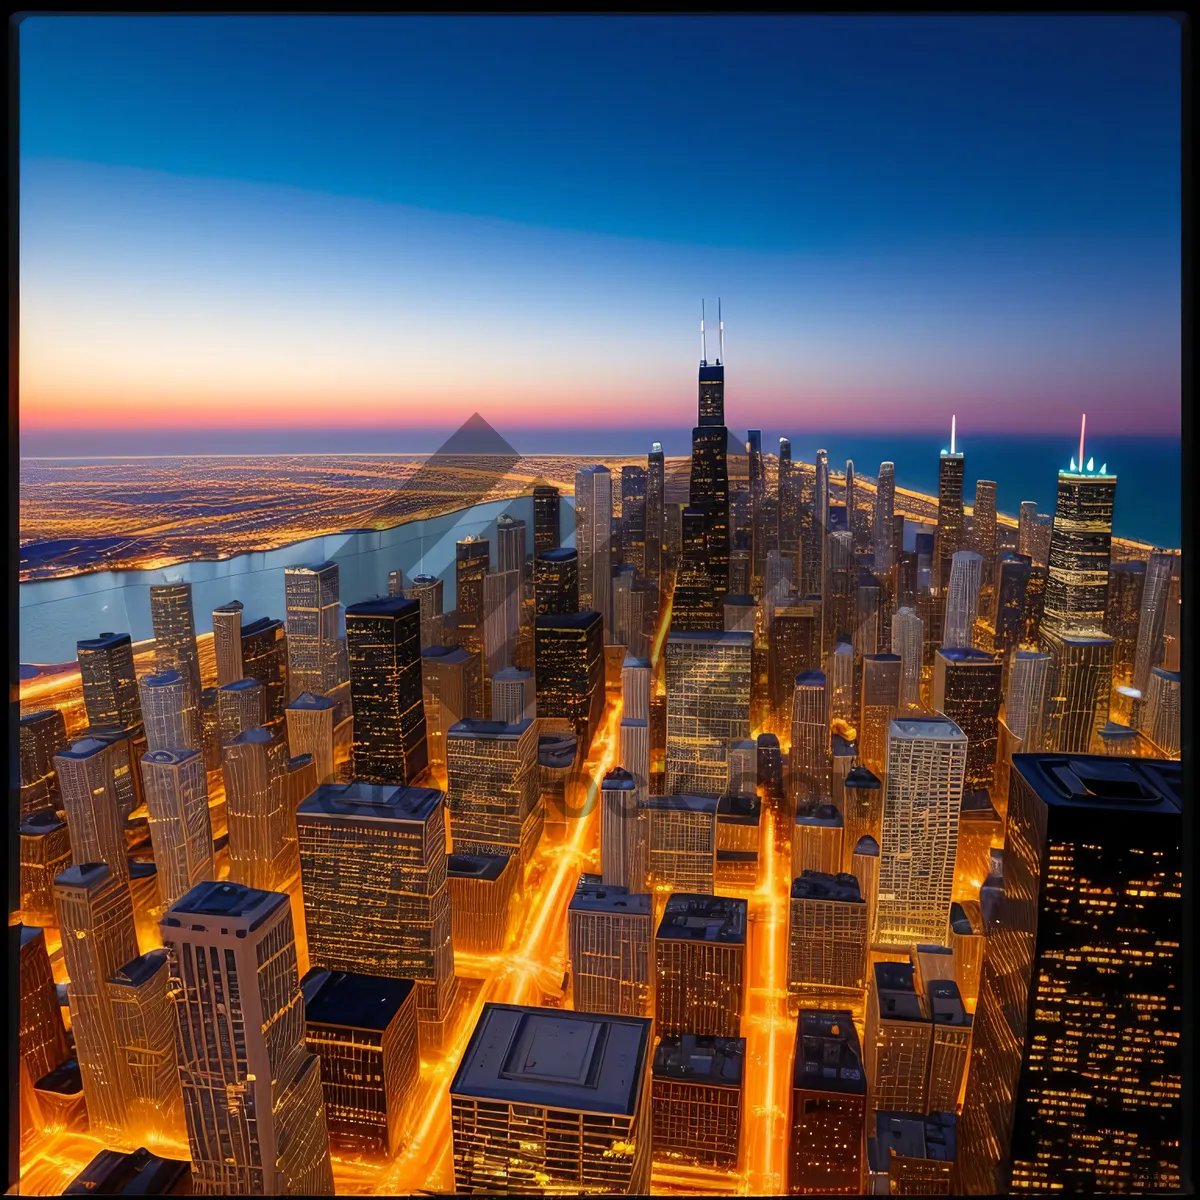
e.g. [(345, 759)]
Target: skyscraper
[(385, 685), (95, 918), (1151, 619), (110, 693), (310, 722), (494, 800), (1076, 1061), (45, 852), (829, 1101), (966, 690), (1008, 617), (700, 955), (1159, 715), (908, 637), (262, 851), (698, 1098), (827, 939), (1027, 529), (556, 581), (175, 784), (912, 1155), (951, 531), (252, 1092), (452, 690), (472, 555), (501, 619), (789, 502), (817, 836), (1080, 553), (426, 590), (810, 738), (634, 491), (962, 599), (227, 641), (510, 543), (89, 797), (708, 706), (681, 842), (820, 555), (265, 658), (593, 531), (656, 492), (569, 670), (171, 712), (175, 635), (41, 1038), (609, 934), (882, 680), (240, 706), (373, 861), (1126, 585), (1080, 686), (1025, 704), (481, 887), (513, 697), (622, 846), (595, 1108), (545, 518), (42, 736), (983, 526), (922, 796), (312, 627)]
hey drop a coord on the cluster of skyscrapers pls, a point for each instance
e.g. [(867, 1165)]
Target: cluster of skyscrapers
[(966, 737)]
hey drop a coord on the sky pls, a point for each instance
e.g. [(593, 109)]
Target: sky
[(337, 228)]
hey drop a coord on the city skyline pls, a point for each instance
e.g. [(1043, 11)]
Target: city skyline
[(305, 258)]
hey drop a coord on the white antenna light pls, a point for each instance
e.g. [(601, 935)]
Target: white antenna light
[(953, 419), (703, 349), (1082, 427), (721, 325)]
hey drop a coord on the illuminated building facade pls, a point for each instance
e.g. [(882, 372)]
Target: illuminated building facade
[(45, 851), (681, 842), (882, 679), (966, 691), (700, 963), (593, 532), (908, 638), (1148, 651), (697, 1089), (656, 491), (827, 938), (694, 604), (41, 1038), (494, 795), (967, 946), (951, 524), (840, 674), (373, 863), (1025, 703), (110, 691), (86, 776), (912, 1154), (839, 593), (556, 581), (510, 544), (227, 642), (1126, 587), (1008, 615), (1080, 552), (633, 517), (481, 888), (501, 619), (265, 658), (817, 837), (42, 736), (252, 1092), (426, 590), (1026, 528), (884, 518), (962, 599), (513, 696), (546, 500), (174, 626), (569, 670), (1079, 680), (452, 691), (829, 1100), (384, 638), (795, 647), (864, 866), (548, 1101), (1076, 1061), (983, 526), (609, 934), (708, 706), (312, 627), (923, 793), (170, 711), (175, 784), (363, 1028), (95, 919), (262, 850), (310, 723), (1159, 715), (622, 832)]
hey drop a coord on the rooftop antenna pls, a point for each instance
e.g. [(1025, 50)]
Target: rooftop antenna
[(1082, 427), (703, 353), (721, 325), (953, 419)]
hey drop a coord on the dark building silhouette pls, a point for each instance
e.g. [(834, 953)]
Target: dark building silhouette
[(569, 670), (140, 1173), (545, 518), (966, 690), (698, 1090), (556, 581), (265, 658)]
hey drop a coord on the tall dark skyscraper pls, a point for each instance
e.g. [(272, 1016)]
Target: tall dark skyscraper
[(634, 489), (384, 637), (556, 581), (1008, 618), (1076, 1060), (656, 492), (709, 492), (471, 558), (545, 518), (175, 633), (110, 690), (966, 689), (951, 532), (569, 669), (789, 502)]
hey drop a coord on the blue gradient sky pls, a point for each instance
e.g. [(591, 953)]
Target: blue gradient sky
[(389, 223)]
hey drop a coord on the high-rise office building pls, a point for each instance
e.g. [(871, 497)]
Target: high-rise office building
[(966, 690), (556, 581), (1171, 645), (700, 959), (395, 582), (817, 836), (656, 491), (170, 711), (827, 938), (89, 797), (908, 638), (840, 590), (174, 626), (252, 1092), (681, 842), (45, 851), (210, 727), (1076, 1060), (127, 746), (883, 528), (962, 599), (1159, 714), (967, 947), (525, 1120), (864, 866), (708, 706), (494, 797), (452, 691), (821, 502), (175, 784), (110, 691), (426, 590), (513, 697), (363, 1028), (373, 863), (1027, 529), (227, 641), (810, 755), (1080, 553), (384, 639), (312, 627), (923, 791), (839, 670), (241, 705), (910, 1154), (633, 516), (310, 725), (95, 920), (546, 501), (862, 811), (882, 679), (593, 532), (510, 544), (1025, 702), (569, 670), (501, 619), (697, 1089), (481, 887), (795, 647), (472, 556), (984, 526), (1008, 615), (609, 934), (1126, 587), (1152, 619), (789, 501), (951, 531), (829, 1107), (628, 603), (1079, 688), (41, 1037), (709, 490), (42, 736), (262, 851), (622, 832), (265, 658)]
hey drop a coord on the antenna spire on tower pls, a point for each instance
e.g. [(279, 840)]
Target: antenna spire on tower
[(953, 420), (721, 327), (703, 348), (1082, 427)]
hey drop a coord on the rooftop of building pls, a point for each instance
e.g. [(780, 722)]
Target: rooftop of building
[(225, 899), (1097, 781), (741, 600), (316, 566), (447, 654), (352, 1001), (142, 868), (383, 606), (733, 638), (488, 867), (229, 607), (559, 554), (310, 700), (823, 816), (371, 801), (739, 808), (767, 741), (944, 1003), (897, 992), (137, 971), (828, 1057), (85, 747), (248, 684), (555, 1058), (881, 658), (39, 823), (83, 875), (911, 728), (576, 620), (593, 895), (64, 1080), (842, 747), (105, 641), (261, 625), (867, 846), (618, 779), (862, 777), (691, 917), (682, 803), (492, 731), (909, 1135), (820, 885), (698, 1058), (513, 674), (30, 933), (168, 677), (968, 655), (976, 805), (960, 920), (810, 679)]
